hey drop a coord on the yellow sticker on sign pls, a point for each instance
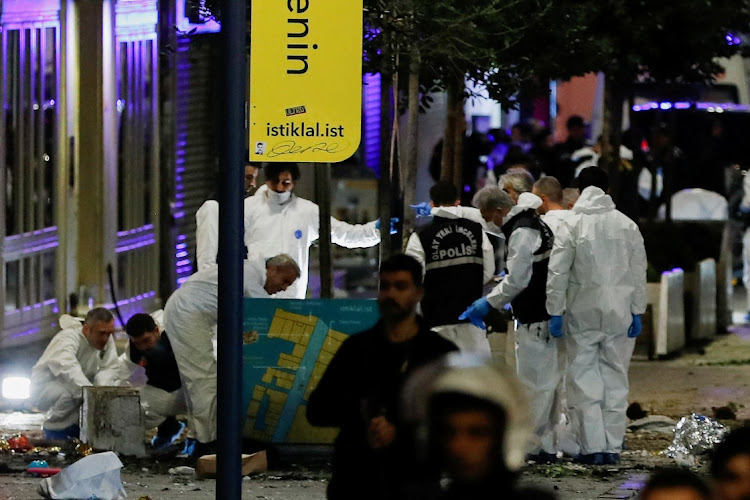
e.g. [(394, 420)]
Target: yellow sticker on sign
[(305, 80)]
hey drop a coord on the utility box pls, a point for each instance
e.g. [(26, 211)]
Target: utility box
[(111, 420)]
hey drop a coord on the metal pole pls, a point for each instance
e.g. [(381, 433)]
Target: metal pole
[(231, 250), (323, 195)]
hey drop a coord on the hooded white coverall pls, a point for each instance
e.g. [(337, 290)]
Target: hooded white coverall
[(566, 441), (207, 232), (538, 362), (190, 317), (156, 404), (68, 365), (272, 228), (597, 280), (465, 335)]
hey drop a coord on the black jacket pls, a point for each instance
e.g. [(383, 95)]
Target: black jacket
[(363, 381)]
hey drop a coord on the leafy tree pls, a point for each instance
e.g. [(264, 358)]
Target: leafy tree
[(665, 43)]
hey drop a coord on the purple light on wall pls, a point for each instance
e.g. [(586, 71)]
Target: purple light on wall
[(25, 333), (732, 39), (681, 105), (371, 121), (138, 230)]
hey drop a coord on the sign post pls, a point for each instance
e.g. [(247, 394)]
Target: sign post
[(306, 92), (306, 80)]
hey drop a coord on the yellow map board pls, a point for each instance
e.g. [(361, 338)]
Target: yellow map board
[(305, 80)]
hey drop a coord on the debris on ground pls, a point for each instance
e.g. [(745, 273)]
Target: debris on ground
[(182, 470), (19, 444), (694, 435), (251, 464), (654, 423), (725, 412), (96, 475), (635, 411)]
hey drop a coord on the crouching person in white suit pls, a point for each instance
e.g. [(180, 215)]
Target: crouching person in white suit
[(81, 355), (148, 364), (191, 315)]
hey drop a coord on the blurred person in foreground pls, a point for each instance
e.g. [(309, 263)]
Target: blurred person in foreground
[(675, 484), (730, 466), (359, 392), (474, 427)]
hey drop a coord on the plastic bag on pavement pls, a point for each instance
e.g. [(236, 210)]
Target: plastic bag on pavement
[(96, 476)]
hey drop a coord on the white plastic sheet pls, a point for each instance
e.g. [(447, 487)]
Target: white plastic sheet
[(94, 476)]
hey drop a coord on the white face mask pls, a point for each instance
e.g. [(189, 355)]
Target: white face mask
[(279, 198), (494, 229)]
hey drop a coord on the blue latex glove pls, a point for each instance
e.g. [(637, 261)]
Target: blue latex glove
[(392, 228), (555, 326), (476, 312), (423, 209), (635, 327)]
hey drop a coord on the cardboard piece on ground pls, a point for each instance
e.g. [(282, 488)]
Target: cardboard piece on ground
[(257, 462)]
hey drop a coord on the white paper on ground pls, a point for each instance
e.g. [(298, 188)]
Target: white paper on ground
[(96, 475)]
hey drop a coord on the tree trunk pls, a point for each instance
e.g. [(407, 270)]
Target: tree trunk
[(412, 142), (451, 166), (384, 183), (449, 137), (459, 131), (611, 135)]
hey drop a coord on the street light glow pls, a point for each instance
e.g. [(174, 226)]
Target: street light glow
[(17, 388)]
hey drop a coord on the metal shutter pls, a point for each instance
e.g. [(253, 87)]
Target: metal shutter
[(195, 149)]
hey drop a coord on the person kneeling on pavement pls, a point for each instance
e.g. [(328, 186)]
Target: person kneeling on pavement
[(149, 365), (81, 355)]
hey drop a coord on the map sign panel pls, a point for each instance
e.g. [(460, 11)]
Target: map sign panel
[(287, 346)]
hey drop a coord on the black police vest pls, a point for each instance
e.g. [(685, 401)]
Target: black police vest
[(529, 306), (454, 268), (161, 367)]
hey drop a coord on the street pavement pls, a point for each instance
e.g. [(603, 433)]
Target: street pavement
[(697, 381)]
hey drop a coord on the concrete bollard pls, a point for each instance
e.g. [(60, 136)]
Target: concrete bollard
[(667, 301), (111, 420), (700, 301)]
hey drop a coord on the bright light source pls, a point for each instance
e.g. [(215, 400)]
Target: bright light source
[(16, 388)]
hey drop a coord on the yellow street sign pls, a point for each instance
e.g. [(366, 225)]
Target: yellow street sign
[(305, 80)]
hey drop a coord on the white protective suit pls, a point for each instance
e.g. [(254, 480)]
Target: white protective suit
[(156, 404), (566, 441), (465, 335), (538, 362), (190, 316), (291, 227), (68, 365), (745, 206), (597, 280), (207, 232)]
